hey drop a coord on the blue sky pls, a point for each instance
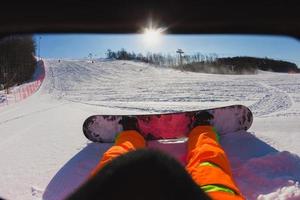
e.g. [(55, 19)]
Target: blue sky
[(80, 45)]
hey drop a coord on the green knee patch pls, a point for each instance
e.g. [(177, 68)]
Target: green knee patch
[(217, 188), (208, 164), (217, 134)]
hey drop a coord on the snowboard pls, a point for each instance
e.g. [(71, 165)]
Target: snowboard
[(104, 128)]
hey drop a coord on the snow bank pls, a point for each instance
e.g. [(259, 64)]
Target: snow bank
[(289, 192), (266, 174)]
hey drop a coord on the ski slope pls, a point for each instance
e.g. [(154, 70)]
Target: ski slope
[(44, 154)]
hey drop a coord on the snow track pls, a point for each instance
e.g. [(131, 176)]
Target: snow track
[(45, 155), (275, 100), (119, 82)]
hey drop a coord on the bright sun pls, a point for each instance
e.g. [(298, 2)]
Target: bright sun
[(152, 37)]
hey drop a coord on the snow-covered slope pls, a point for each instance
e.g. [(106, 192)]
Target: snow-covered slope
[(44, 154)]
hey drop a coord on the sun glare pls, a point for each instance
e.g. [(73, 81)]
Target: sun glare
[(152, 36)]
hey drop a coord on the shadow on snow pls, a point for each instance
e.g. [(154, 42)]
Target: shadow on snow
[(74, 172), (258, 168)]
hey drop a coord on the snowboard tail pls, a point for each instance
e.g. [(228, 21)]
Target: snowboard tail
[(104, 128)]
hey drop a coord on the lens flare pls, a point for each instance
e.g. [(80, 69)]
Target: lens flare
[(152, 36)]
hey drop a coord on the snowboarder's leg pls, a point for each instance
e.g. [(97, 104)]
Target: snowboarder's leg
[(208, 165), (125, 142)]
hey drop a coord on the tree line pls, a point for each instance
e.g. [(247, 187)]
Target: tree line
[(210, 63), (265, 64), (122, 54), (17, 60), (167, 60)]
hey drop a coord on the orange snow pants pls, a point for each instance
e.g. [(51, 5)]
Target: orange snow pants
[(207, 162)]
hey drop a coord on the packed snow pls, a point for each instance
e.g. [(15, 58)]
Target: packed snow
[(44, 154)]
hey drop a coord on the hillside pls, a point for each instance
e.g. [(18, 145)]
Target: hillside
[(45, 155)]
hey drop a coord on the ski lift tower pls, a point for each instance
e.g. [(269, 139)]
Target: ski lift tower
[(180, 52)]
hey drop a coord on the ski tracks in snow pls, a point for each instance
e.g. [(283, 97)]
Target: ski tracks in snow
[(274, 101)]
